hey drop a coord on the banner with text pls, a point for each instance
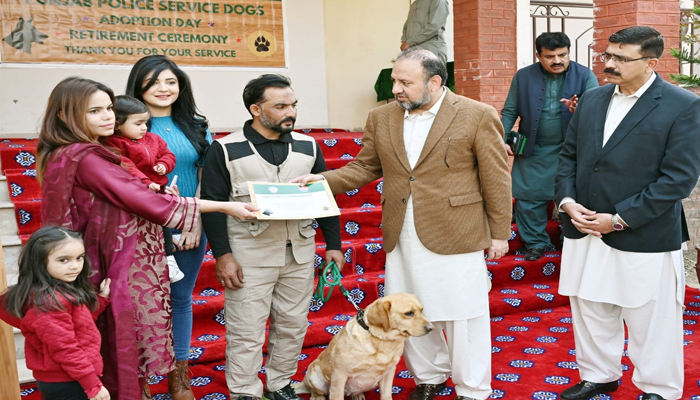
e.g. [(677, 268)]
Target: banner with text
[(229, 33)]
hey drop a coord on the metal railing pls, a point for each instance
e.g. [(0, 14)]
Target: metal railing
[(552, 16), (687, 29)]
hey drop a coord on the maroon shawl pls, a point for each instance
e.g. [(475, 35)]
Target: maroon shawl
[(85, 189)]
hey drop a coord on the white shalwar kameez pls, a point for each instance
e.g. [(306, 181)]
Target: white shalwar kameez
[(453, 290)]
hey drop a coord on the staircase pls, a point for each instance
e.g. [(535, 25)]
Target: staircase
[(11, 246), (532, 341)]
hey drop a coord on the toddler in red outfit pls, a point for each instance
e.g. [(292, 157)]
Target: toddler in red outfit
[(146, 156), (55, 306)]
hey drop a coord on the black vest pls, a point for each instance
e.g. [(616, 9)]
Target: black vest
[(531, 93)]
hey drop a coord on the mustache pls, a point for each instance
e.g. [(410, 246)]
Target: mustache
[(558, 65), (288, 119), (611, 71)]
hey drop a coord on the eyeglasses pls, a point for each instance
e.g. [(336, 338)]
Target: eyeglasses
[(605, 57)]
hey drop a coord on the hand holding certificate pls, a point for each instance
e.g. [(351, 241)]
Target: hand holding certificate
[(291, 201)]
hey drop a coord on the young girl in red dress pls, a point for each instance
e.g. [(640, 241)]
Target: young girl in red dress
[(55, 307)]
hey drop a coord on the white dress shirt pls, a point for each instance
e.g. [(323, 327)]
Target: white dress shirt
[(416, 128)]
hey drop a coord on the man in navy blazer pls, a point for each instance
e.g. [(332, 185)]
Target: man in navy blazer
[(631, 154)]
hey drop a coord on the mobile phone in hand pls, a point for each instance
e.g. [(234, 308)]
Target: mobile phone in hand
[(173, 182)]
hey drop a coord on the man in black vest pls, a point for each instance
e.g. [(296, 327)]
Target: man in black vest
[(266, 266), (543, 96)]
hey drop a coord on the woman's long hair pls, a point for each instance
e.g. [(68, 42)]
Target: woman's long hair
[(184, 110), (65, 119), (36, 287)]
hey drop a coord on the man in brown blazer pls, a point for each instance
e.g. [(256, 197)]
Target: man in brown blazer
[(446, 198)]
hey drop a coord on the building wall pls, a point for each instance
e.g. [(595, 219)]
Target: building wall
[(24, 89), (362, 38)]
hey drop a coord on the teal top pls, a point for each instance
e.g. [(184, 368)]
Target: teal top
[(186, 165), (533, 177)]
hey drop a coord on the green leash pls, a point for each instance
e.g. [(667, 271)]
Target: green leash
[(330, 275), (325, 271)]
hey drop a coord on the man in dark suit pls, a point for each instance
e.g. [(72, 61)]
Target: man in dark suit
[(631, 154)]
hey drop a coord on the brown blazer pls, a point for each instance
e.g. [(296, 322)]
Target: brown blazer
[(461, 184)]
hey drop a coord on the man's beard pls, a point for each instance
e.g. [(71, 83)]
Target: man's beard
[(410, 105), (271, 125)]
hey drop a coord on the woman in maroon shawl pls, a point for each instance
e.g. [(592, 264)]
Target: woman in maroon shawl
[(86, 189)]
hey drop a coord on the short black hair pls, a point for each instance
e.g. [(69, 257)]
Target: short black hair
[(431, 63), (649, 38), (254, 91), (125, 105), (552, 41)]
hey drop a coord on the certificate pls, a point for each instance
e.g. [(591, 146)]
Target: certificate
[(291, 201)]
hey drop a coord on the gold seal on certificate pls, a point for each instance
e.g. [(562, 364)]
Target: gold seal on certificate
[(291, 201)]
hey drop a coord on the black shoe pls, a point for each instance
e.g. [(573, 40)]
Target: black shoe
[(584, 390), (426, 391), (651, 396), (286, 393), (464, 398), (245, 398), (534, 254)]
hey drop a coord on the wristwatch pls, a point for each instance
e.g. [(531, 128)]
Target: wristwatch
[(616, 224)]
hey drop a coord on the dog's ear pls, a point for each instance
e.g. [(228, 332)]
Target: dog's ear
[(379, 315)]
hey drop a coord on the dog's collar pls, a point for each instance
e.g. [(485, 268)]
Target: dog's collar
[(361, 319)]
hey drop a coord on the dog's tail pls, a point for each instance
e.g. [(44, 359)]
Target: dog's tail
[(300, 387)]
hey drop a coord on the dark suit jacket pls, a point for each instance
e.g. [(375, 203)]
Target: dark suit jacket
[(460, 184), (650, 163)]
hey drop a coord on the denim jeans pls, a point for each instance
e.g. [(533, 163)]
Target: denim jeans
[(189, 262)]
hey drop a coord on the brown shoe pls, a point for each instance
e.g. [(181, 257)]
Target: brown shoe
[(179, 382), (145, 391), (426, 391)]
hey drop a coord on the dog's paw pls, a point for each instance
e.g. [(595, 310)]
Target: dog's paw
[(262, 44), (315, 396), (359, 396)]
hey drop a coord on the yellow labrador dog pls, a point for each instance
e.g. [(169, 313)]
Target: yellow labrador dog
[(360, 358)]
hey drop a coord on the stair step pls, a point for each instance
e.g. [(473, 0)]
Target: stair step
[(4, 192), (25, 374), (8, 221)]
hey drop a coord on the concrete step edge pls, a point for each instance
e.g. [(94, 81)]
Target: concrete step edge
[(10, 240)]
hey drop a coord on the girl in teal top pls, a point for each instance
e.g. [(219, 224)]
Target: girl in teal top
[(160, 84)]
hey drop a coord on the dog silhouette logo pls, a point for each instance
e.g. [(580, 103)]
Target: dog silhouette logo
[(24, 35)]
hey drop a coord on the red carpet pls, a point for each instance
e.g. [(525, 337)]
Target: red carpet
[(533, 345), (17, 154)]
